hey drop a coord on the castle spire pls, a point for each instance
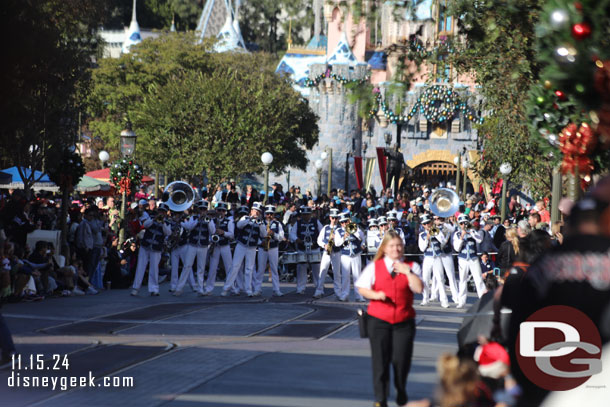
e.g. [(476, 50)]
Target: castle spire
[(132, 36)]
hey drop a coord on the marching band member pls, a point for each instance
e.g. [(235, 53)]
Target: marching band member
[(465, 243), (393, 220), (447, 260), (383, 226), (201, 229), (251, 229), (238, 285), (373, 238), (431, 245), (178, 253), (334, 257), (151, 247), (303, 234), (351, 248), (225, 230), (268, 253)]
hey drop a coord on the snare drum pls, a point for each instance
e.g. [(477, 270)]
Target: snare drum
[(301, 257), (289, 258), (314, 256)]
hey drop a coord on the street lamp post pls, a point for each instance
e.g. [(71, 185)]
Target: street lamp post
[(128, 149), (465, 165), (505, 170), (556, 194), (266, 158), (104, 157), (457, 160), (318, 164)]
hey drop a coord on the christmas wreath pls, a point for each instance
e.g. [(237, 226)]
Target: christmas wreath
[(67, 169), (125, 175)]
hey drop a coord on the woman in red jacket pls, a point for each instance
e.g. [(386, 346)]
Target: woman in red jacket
[(389, 283)]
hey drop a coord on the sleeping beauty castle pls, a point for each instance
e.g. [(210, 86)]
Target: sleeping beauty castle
[(430, 123)]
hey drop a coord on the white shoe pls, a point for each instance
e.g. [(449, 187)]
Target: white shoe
[(301, 292), (91, 290), (66, 293), (278, 294), (177, 293), (257, 294), (250, 294), (445, 305), (423, 303), (134, 292), (317, 296), (154, 294), (78, 291), (461, 305), (224, 293)]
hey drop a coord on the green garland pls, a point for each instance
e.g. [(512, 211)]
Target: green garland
[(125, 169), (312, 83), (437, 104)]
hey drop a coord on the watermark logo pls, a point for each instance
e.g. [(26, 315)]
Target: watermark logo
[(559, 348)]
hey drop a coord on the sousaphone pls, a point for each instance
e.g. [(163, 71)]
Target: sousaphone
[(179, 196), (444, 202)]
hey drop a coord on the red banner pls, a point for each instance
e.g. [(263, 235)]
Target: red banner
[(358, 170), (382, 159)]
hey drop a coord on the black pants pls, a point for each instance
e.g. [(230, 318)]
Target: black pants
[(391, 343)]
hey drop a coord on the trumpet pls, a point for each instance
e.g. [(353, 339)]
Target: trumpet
[(215, 238), (434, 231), (351, 228)]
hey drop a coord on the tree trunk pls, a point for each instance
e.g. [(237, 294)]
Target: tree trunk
[(63, 225)]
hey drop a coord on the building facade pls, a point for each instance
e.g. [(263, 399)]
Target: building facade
[(431, 122)]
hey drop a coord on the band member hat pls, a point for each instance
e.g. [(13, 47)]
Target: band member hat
[(202, 204), (425, 218), (305, 210), (258, 206), (344, 218), (463, 218)]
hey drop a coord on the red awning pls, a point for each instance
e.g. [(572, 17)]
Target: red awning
[(104, 175)]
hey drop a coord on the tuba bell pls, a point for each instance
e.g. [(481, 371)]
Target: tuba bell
[(444, 202), (179, 196), (351, 228)]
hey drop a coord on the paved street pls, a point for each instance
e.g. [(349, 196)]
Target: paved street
[(210, 351)]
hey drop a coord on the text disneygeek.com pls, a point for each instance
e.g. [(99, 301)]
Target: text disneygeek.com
[(24, 374)]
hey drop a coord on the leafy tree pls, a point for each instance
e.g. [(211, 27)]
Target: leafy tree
[(266, 22), (196, 110), (50, 45), (499, 51)]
